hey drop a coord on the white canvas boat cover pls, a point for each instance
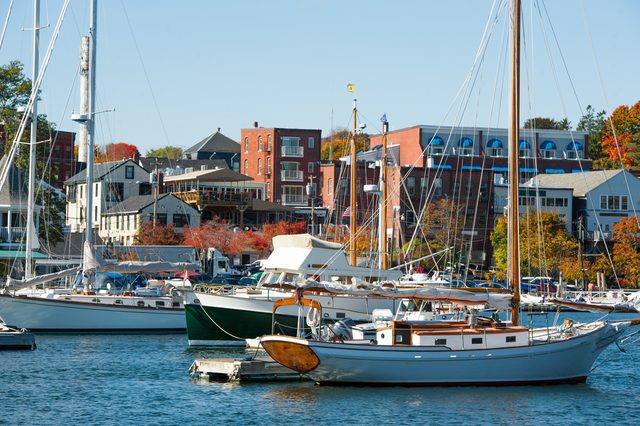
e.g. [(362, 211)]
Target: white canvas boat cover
[(95, 263), (501, 301), (13, 284), (305, 241)]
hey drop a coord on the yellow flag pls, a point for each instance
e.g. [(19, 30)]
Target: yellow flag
[(351, 87)]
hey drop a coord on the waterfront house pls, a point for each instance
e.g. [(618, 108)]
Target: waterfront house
[(216, 146)]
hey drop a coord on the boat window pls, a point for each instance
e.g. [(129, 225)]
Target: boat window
[(196, 301), (175, 304), (159, 303), (340, 315), (67, 298), (118, 302), (511, 339), (272, 278), (476, 340), (95, 300), (288, 277), (441, 341), (140, 303)]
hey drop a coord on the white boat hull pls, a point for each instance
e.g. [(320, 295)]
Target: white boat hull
[(50, 315), (563, 361)]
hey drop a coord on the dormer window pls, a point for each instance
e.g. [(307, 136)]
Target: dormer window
[(465, 147), (574, 151), (525, 149), (548, 149), (436, 146), (494, 148)]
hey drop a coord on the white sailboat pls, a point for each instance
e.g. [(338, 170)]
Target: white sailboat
[(480, 351), (56, 311)]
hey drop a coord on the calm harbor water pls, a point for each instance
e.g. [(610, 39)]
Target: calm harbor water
[(143, 379)]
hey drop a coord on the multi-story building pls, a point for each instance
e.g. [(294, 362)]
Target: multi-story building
[(286, 160), (60, 158), (541, 151), (114, 182)]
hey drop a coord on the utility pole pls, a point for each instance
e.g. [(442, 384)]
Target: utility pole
[(311, 193)]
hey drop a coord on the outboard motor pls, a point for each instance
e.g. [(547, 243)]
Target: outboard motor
[(341, 329)]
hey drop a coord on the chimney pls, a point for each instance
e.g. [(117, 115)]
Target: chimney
[(255, 124), (218, 129)]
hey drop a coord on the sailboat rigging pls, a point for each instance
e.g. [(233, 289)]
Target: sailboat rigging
[(478, 351)]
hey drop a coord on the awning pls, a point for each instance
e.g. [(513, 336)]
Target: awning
[(548, 145), (554, 171), (574, 146), (436, 141), (494, 143), (524, 144), (20, 254), (528, 170), (441, 166), (465, 143), (500, 169), (580, 171), (472, 167)]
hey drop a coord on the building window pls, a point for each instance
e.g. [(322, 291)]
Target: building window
[(259, 143), (269, 143), (115, 192), (437, 187), (144, 188), (310, 167), (95, 214), (128, 222), (161, 219), (293, 194), (311, 142), (330, 186), (72, 193), (547, 153), (259, 166), (614, 202), (411, 185), (268, 190), (128, 172), (424, 185), (246, 144), (268, 165), (180, 220)]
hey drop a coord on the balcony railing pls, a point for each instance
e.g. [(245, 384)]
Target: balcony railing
[(292, 151), (203, 198), (294, 199), (292, 175), (16, 234)]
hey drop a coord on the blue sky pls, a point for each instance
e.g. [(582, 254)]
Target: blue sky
[(200, 65)]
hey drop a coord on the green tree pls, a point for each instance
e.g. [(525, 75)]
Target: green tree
[(547, 123), (15, 90), (592, 122), (171, 152), (544, 243), (338, 144)]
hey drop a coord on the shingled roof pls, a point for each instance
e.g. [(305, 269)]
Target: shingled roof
[(135, 204), (99, 170), (581, 183), (215, 142)]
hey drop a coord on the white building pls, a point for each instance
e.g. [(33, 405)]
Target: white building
[(540, 198), (121, 222), (600, 197), (114, 182)]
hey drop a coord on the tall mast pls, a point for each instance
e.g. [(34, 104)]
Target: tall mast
[(383, 261), (354, 193), (31, 228), (514, 167), (93, 37)]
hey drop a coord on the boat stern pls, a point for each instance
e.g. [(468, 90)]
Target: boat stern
[(291, 352)]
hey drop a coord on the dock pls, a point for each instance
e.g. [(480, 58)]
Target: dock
[(242, 370)]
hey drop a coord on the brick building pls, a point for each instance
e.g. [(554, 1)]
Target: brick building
[(284, 159)]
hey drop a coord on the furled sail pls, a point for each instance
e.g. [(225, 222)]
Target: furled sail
[(496, 300), (14, 284), (93, 262)]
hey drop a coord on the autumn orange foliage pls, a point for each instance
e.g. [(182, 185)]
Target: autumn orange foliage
[(626, 131), (116, 152), (160, 235), (626, 249)]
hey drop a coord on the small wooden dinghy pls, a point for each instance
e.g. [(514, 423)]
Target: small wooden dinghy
[(14, 339)]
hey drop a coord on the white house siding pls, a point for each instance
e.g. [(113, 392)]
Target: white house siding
[(593, 212)]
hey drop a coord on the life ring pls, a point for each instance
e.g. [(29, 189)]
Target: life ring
[(313, 318)]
